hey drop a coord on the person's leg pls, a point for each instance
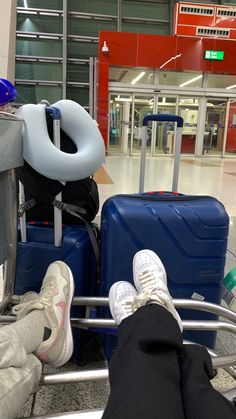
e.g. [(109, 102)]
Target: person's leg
[(200, 399), (44, 328), (144, 372), (16, 384)]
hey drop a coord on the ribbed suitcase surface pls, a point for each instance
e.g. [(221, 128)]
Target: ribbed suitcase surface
[(189, 233)]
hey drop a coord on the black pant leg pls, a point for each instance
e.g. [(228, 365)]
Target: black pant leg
[(200, 399), (144, 372)]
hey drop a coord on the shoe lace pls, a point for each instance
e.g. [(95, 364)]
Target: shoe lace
[(127, 304), (48, 290), (151, 281), (44, 302)]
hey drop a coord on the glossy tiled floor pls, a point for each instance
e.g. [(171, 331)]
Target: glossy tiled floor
[(215, 177)]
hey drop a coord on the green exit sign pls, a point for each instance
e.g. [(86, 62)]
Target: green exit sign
[(214, 55)]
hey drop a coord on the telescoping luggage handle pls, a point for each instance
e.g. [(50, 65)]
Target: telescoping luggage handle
[(162, 118), (56, 117)]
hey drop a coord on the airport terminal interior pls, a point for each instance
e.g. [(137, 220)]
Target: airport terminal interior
[(63, 49)]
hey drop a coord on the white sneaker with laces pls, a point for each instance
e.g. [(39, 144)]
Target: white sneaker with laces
[(151, 282), (55, 299), (121, 298)]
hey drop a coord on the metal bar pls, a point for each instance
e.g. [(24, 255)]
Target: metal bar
[(10, 264), (57, 211), (187, 324), (93, 16), (38, 82), (3, 305), (45, 35), (81, 38), (147, 20), (171, 16), (91, 89), (36, 58), (37, 10), (143, 159), (95, 90), (119, 15), (6, 319), (84, 414), (64, 49), (74, 377), (226, 127), (178, 303), (205, 306), (23, 230), (178, 142), (78, 84)]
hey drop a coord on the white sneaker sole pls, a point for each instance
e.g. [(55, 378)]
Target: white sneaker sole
[(68, 346), (155, 258)]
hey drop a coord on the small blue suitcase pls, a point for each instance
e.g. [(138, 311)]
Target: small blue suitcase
[(189, 233), (34, 256)]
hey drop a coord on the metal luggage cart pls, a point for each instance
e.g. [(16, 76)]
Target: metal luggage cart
[(10, 158)]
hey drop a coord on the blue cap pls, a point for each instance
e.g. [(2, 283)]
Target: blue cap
[(7, 92)]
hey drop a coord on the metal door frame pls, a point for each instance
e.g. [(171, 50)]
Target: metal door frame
[(201, 93)]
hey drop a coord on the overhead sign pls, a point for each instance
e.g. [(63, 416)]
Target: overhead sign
[(214, 55)]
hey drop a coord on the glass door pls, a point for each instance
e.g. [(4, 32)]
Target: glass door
[(214, 126), (164, 132), (143, 106), (120, 117), (188, 109), (230, 123)]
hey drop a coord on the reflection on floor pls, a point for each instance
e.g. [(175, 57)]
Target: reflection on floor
[(121, 175)]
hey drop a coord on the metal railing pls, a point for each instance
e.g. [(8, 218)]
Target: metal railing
[(227, 361)]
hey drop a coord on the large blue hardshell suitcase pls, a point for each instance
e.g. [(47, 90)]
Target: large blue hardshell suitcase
[(34, 256), (189, 233)]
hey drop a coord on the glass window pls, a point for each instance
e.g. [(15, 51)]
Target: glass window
[(78, 72), (130, 75), (181, 79), (153, 28), (38, 47), (82, 49), (188, 109), (223, 81), (39, 71), (34, 94), (39, 24), (145, 9), (87, 27), (52, 4), (231, 132), (78, 94), (108, 7), (214, 126)]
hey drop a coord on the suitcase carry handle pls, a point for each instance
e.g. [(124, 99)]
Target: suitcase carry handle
[(178, 139), (164, 118)]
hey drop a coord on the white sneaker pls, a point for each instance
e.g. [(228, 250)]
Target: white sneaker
[(151, 282), (55, 299), (121, 298)]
